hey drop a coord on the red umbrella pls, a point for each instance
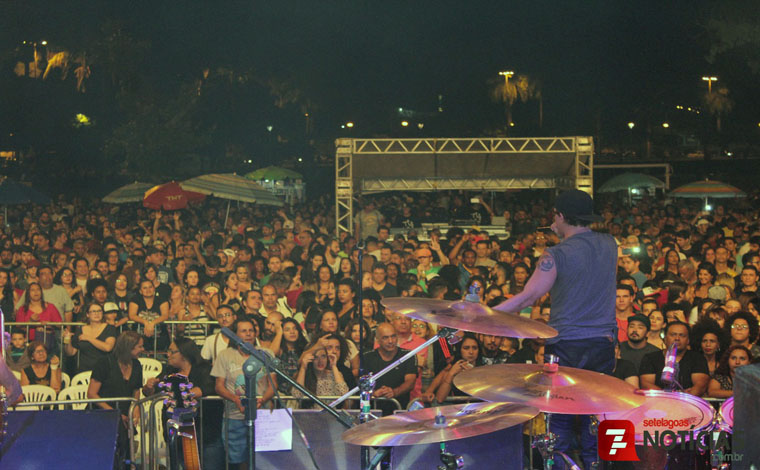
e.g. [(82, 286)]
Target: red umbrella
[(169, 197)]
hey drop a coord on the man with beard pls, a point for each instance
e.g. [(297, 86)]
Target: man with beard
[(490, 350), (637, 346), (271, 335)]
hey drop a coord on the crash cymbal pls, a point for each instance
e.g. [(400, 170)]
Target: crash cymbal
[(469, 316), (566, 391), (454, 422)]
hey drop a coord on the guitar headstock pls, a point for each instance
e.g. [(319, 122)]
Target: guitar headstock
[(181, 402)]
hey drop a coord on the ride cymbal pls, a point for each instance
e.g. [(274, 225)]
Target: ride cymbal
[(566, 391)]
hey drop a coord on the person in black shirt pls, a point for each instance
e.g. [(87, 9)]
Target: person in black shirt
[(184, 358), (637, 346), (693, 373), (119, 375), (398, 382)]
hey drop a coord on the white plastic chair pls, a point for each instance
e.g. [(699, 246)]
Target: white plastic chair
[(82, 378), (65, 380), (150, 368), (159, 431), (76, 392), (36, 393)]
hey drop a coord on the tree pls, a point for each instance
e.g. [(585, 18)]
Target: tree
[(522, 88), (718, 103)]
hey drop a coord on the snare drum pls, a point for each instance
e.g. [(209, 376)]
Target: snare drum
[(667, 411), (726, 416)]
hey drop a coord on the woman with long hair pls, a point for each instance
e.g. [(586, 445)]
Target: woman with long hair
[(325, 281), (656, 332), (179, 268), (163, 291), (520, 274), (352, 332), (35, 309), (346, 269), (344, 305), (120, 296), (466, 357), (92, 341), (7, 296), (120, 375), (319, 373), (43, 370), (291, 349), (243, 277), (230, 293), (184, 358), (722, 384)]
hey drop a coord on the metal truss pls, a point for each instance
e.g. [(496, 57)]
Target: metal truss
[(581, 178), (463, 145), (445, 184)]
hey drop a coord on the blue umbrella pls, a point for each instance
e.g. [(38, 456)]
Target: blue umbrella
[(12, 193)]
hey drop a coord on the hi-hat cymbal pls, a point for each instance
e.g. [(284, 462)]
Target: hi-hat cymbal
[(566, 391), (454, 422), (469, 316)]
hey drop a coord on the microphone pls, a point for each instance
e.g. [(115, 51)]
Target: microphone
[(668, 376)]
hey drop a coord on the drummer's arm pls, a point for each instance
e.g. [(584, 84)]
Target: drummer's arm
[(647, 382), (715, 391), (700, 384), (539, 284)]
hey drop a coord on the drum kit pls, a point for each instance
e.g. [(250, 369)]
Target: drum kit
[(516, 393)]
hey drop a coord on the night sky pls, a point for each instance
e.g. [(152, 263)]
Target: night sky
[(600, 63)]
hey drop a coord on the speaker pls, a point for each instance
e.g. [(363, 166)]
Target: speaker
[(746, 432), (61, 440)]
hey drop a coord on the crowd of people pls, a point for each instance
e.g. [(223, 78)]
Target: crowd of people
[(127, 282)]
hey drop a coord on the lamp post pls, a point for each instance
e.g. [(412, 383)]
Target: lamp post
[(506, 74), (709, 81)]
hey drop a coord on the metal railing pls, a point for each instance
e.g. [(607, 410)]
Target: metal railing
[(44, 328)]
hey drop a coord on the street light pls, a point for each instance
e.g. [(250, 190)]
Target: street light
[(709, 81), (665, 125), (506, 74), (404, 123), (349, 124), (631, 125)]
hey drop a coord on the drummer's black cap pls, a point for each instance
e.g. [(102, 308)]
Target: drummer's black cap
[(576, 205)]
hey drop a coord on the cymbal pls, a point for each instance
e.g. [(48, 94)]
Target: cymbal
[(566, 391), (457, 422), (469, 316)]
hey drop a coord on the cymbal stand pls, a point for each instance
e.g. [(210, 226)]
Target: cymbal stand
[(450, 461), (545, 442)]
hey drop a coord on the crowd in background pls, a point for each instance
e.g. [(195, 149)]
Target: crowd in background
[(281, 279)]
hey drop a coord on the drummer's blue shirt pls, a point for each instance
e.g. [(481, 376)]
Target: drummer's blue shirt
[(583, 295)]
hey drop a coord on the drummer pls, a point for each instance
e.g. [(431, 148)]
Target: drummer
[(693, 375), (580, 274)]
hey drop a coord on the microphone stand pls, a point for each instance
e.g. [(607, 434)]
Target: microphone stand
[(251, 368), (366, 385)]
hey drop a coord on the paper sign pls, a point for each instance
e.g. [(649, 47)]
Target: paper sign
[(274, 430)]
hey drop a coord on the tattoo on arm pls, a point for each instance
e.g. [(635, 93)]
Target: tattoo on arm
[(546, 263)]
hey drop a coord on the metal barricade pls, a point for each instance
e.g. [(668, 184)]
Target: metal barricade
[(153, 454)]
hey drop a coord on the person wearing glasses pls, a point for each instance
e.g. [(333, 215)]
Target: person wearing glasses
[(743, 328), (183, 357), (217, 342), (92, 341)]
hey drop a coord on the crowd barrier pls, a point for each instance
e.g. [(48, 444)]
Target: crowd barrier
[(52, 332)]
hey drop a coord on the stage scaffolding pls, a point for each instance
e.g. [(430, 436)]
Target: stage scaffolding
[(439, 164)]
